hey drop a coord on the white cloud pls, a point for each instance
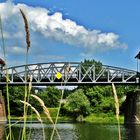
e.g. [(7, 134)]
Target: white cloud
[(56, 57), (54, 26), (15, 50), (43, 58)]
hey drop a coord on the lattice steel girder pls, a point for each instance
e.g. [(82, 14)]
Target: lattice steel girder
[(72, 74)]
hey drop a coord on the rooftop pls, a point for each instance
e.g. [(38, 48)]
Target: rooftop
[(2, 62)]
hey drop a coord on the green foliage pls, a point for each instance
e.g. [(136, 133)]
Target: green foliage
[(16, 94), (107, 105), (100, 98), (67, 93), (88, 63), (98, 64), (122, 90), (77, 104), (103, 119), (50, 96)]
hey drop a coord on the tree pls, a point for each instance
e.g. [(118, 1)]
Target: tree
[(15, 95), (77, 104), (50, 96), (97, 64)]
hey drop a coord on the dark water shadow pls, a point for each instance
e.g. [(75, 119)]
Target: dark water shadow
[(132, 132)]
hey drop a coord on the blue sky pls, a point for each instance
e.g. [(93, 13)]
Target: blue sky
[(72, 30)]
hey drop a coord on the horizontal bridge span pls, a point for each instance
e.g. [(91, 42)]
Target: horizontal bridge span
[(70, 73)]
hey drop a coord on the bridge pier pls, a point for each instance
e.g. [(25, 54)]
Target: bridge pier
[(2, 109), (132, 108)]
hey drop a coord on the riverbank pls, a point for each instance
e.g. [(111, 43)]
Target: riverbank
[(103, 119), (53, 114), (89, 119), (92, 118), (96, 119)]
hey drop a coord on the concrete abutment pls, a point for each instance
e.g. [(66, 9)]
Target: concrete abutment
[(132, 108), (2, 109)]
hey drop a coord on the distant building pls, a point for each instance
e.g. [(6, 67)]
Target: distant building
[(38, 89), (2, 63)]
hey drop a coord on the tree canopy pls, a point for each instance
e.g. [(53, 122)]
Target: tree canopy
[(77, 103)]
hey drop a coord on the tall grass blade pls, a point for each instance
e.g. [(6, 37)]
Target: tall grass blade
[(137, 119), (68, 69), (7, 79), (26, 29), (37, 114), (28, 98), (28, 46), (30, 84), (46, 112), (117, 109), (45, 109), (56, 120)]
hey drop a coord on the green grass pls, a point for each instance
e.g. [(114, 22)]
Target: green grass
[(93, 118), (103, 118), (53, 112)]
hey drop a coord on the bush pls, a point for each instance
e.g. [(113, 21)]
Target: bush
[(77, 104)]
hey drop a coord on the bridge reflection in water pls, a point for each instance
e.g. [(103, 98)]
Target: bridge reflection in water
[(133, 132)]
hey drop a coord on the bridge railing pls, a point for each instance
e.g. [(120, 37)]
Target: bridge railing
[(72, 73)]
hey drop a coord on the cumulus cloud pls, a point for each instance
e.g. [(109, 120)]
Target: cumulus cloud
[(15, 50), (55, 27), (42, 58)]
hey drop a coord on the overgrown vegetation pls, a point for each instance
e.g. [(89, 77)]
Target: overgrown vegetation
[(50, 96), (77, 104), (84, 100)]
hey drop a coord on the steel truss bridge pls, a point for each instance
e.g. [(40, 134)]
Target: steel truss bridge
[(70, 73)]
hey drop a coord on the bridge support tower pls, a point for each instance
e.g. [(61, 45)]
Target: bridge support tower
[(2, 109), (132, 108)]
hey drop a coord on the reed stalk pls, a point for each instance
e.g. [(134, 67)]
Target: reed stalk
[(26, 29), (25, 94), (36, 112), (31, 118), (56, 120), (7, 79), (117, 109), (46, 112), (25, 112), (37, 115), (29, 90), (66, 72), (137, 119)]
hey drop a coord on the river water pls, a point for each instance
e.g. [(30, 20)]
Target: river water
[(77, 131)]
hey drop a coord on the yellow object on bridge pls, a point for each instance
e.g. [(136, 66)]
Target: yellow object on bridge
[(58, 75)]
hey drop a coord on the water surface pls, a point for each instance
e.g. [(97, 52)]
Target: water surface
[(78, 131)]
